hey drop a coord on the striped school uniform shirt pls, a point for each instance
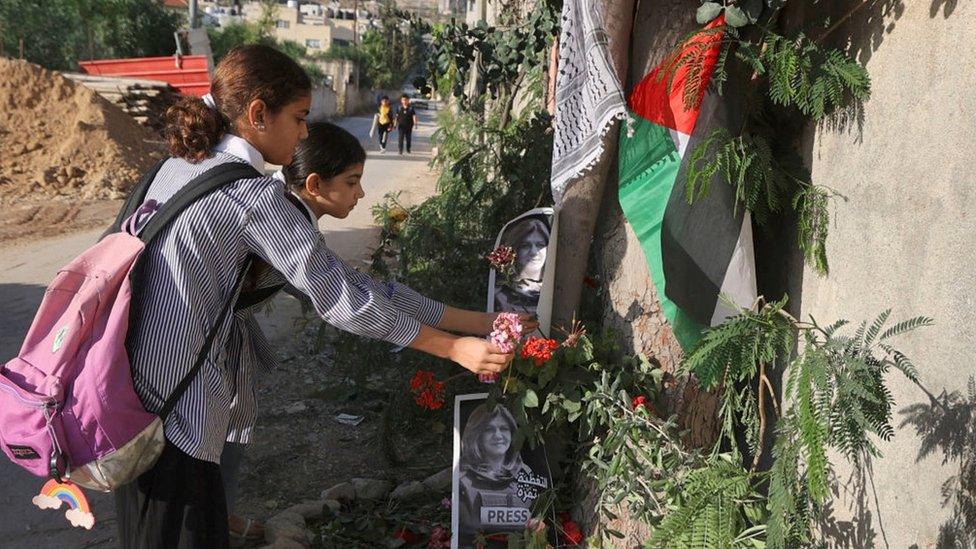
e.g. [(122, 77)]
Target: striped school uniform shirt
[(248, 348), (190, 272)]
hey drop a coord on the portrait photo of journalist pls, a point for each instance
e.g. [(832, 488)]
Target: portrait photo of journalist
[(497, 483), (529, 238)]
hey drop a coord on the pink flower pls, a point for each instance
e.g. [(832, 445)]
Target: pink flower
[(506, 332), (536, 525)]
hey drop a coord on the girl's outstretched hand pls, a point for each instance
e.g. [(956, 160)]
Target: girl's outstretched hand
[(479, 355)]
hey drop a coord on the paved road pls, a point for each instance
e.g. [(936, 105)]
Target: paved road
[(26, 269)]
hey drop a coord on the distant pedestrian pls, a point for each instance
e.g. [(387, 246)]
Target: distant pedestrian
[(406, 119), (383, 122)]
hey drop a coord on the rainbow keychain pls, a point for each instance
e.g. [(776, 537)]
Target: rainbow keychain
[(54, 493)]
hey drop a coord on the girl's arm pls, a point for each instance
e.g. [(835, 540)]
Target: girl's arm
[(478, 323), (342, 296)]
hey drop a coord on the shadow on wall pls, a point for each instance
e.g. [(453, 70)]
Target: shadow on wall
[(860, 531), (946, 425)]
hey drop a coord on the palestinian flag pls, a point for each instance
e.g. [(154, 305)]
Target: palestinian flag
[(695, 252)]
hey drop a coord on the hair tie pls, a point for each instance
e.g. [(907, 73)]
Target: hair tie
[(208, 100)]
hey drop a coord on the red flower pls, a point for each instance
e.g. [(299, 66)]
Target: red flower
[(572, 535), (502, 258), (640, 401), (427, 392), (406, 535), (539, 349), (440, 538)]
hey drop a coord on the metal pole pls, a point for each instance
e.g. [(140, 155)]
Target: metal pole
[(355, 38), (193, 14)]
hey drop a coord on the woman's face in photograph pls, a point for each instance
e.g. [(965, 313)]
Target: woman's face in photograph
[(532, 254), (496, 438)]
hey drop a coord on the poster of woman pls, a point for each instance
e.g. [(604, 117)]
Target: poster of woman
[(529, 288), (495, 484)]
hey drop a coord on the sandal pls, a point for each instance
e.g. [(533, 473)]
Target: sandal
[(253, 529)]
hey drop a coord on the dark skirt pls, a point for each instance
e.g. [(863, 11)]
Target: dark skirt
[(179, 503)]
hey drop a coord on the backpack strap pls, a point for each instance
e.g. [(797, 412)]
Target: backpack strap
[(201, 185), (135, 199)]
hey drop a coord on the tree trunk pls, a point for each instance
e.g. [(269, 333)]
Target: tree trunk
[(632, 310)]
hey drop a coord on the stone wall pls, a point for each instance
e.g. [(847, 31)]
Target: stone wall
[(905, 238)]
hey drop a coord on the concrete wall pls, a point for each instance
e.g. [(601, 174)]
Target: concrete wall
[(324, 103), (906, 238)]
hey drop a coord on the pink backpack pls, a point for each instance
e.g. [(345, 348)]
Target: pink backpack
[(68, 408)]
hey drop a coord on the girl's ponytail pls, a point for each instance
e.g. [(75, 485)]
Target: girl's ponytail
[(193, 129)]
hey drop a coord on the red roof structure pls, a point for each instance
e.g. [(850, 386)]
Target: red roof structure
[(187, 73)]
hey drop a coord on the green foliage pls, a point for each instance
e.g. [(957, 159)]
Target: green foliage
[(268, 18), (834, 398), (444, 240), (815, 80), (86, 29), (714, 510), (500, 57), (735, 357), (226, 38), (837, 400), (637, 459), (389, 53)]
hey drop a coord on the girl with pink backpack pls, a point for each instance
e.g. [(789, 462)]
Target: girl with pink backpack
[(260, 99)]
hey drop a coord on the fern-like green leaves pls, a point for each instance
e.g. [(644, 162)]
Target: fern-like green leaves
[(834, 399), (710, 511)]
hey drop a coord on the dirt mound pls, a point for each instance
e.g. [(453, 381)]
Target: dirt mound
[(61, 139)]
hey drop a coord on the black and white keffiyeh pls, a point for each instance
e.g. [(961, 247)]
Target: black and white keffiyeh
[(588, 95)]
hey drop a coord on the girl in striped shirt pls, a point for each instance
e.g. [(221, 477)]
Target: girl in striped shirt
[(260, 98), (324, 179)]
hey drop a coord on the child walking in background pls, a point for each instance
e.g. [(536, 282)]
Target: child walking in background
[(256, 113), (325, 179), (406, 119), (384, 121)]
